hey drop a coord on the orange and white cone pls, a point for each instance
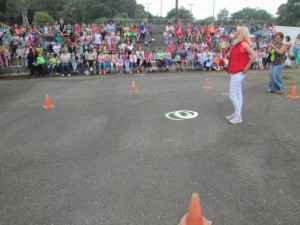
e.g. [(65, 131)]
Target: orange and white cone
[(206, 84), (293, 93), (194, 215), (133, 88), (48, 104)]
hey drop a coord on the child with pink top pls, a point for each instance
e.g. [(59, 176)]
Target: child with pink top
[(137, 32), (113, 60), (171, 46)]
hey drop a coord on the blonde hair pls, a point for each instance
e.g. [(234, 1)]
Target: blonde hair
[(244, 34)]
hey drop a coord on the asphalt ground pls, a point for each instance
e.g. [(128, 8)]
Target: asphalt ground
[(105, 156)]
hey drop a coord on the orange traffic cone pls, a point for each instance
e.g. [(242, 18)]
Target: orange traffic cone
[(133, 87), (194, 215), (206, 84), (293, 93), (48, 104)]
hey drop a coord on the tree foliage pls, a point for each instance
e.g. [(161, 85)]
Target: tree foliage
[(250, 14), (42, 18), (71, 10), (223, 16), (183, 13), (289, 13)]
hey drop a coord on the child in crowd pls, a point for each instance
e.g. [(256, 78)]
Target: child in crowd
[(80, 60), (102, 62), (133, 61), (20, 55), (52, 65), (7, 55), (73, 61), (126, 61), (120, 61), (153, 60), (113, 60)]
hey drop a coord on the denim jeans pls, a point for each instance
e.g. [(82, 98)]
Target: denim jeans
[(275, 80), (235, 92), (65, 67)]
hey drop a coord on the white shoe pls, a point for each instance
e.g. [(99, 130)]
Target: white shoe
[(229, 117), (69, 75), (235, 120), (91, 69)]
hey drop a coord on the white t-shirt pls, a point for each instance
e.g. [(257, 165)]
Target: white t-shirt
[(65, 57), (97, 38), (56, 48)]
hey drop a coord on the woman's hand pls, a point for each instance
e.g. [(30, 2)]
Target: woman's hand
[(245, 70)]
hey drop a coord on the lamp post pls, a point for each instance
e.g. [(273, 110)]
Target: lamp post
[(191, 5), (176, 12), (148, 3), (214, 9)]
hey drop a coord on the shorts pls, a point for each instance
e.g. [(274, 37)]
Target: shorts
[(133, 64), (102, 64)]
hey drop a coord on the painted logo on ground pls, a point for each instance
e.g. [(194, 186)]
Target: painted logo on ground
[(181, 115)]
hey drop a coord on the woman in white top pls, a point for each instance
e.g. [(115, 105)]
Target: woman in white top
[(65, 60)]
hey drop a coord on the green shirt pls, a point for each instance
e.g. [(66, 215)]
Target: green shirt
[(40, 60), (159, 55)]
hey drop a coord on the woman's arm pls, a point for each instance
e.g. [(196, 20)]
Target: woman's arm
[(280, 51), (253, 57)]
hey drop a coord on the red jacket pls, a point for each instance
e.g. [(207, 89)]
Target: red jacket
[(238, 60)]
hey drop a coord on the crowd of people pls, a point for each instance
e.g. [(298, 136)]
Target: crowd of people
[(60, 49)]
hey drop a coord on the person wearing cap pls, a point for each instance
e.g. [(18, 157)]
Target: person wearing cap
[(111, 27)]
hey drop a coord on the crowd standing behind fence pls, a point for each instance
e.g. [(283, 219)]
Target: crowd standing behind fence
[(87, 49)]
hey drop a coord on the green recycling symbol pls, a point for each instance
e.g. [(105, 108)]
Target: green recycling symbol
[(181, 115)]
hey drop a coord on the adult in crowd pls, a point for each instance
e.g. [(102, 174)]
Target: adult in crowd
[(145, 31), (65, 60), (279, 49), (129, 46), (62, 25), (111, 27), (239, 64), (289, 45), (296, 50), (32, 61)]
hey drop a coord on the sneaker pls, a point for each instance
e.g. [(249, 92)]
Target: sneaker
[(279, 92), (91, 69), (235, 120), (69, 75), (62, 75), (268, 91), (229, 117)]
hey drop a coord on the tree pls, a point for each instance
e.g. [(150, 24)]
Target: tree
[(206, 20), (223, 16), (183, 13), (41, 18), (249, 14), (289, 13), (20, 6)]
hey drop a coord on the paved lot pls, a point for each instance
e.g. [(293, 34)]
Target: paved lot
[(108, 157)]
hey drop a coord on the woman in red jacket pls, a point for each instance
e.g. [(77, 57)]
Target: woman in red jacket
[(240, 59)]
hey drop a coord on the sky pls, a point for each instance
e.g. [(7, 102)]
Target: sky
[(204, 8)]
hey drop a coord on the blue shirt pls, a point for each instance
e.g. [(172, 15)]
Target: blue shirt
[(110, 27)]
